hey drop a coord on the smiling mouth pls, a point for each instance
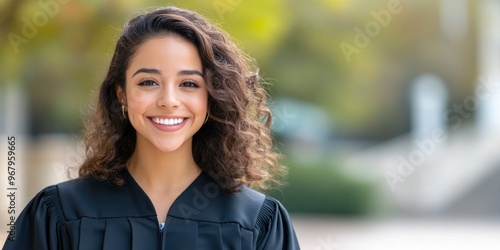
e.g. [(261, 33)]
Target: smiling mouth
[(167, 121)]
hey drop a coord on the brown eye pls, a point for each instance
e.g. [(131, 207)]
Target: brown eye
[(190, 84), (148, 83)]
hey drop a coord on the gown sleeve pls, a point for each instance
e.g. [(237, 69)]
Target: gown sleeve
[(38, 224), (275, 227)]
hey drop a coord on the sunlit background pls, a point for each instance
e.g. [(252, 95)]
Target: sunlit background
[(386, 110)]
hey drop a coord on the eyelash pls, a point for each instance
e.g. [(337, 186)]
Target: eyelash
[(190, 84), (147, 83)]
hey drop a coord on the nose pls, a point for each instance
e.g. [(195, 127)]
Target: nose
[(168, 98)]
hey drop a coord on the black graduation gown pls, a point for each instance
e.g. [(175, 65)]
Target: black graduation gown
[(89, 214)]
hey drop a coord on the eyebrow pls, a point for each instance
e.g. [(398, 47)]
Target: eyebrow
[(148, 71), (190, 72), (158, 72)]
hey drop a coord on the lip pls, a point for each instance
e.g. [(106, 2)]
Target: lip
[(168, 128)]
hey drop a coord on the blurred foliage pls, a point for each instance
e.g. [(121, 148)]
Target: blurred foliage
[(63, 48), (321, 188), (295, 42)]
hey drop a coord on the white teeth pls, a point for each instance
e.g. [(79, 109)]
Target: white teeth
[(168, 122)]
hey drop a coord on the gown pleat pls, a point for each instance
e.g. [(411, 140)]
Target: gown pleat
[(92, 233), (209, 235), (180, 230), (144, 233), (114, 231), (231, 231)]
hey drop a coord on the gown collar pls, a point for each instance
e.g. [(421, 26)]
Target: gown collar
[(202, 183)]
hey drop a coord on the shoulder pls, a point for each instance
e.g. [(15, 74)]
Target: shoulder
[(81, 186), (45, 204), (88, 197), (85, 188), (274, 227), (40, 216), (77, 194), (47, 200), (205, 200), (272, 212)]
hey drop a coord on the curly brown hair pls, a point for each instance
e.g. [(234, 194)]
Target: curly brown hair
[(235, 146)]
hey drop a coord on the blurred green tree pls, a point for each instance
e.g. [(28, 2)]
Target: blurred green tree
[(58, 51)]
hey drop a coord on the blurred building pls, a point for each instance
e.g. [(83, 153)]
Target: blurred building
[(450, 168)]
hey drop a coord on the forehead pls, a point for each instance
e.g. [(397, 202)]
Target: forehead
[(166, 52)]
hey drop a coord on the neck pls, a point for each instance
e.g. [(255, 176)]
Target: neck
[(162, 171)]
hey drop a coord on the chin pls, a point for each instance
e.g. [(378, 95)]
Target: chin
[(172, 145), (169, 145), (168, 148)]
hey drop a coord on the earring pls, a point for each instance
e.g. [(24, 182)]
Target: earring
[(123, 112)]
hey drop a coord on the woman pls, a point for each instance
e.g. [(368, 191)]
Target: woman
[(179, 133)]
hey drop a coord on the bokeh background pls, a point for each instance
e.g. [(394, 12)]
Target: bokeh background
[(386, 110)]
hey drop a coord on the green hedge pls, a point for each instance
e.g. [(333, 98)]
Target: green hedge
[(322, 189)]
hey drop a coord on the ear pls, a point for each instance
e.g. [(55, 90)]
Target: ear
[(120, 94)]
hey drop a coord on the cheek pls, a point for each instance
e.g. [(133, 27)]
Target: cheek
[(200, 103), (137, 101)]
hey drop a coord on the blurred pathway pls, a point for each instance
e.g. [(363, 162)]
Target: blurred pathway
[(328, 233)]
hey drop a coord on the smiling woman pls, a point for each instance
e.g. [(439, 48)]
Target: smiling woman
[(179, 134), (166, 92)]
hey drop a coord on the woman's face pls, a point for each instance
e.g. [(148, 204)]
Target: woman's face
[(166, 95)]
